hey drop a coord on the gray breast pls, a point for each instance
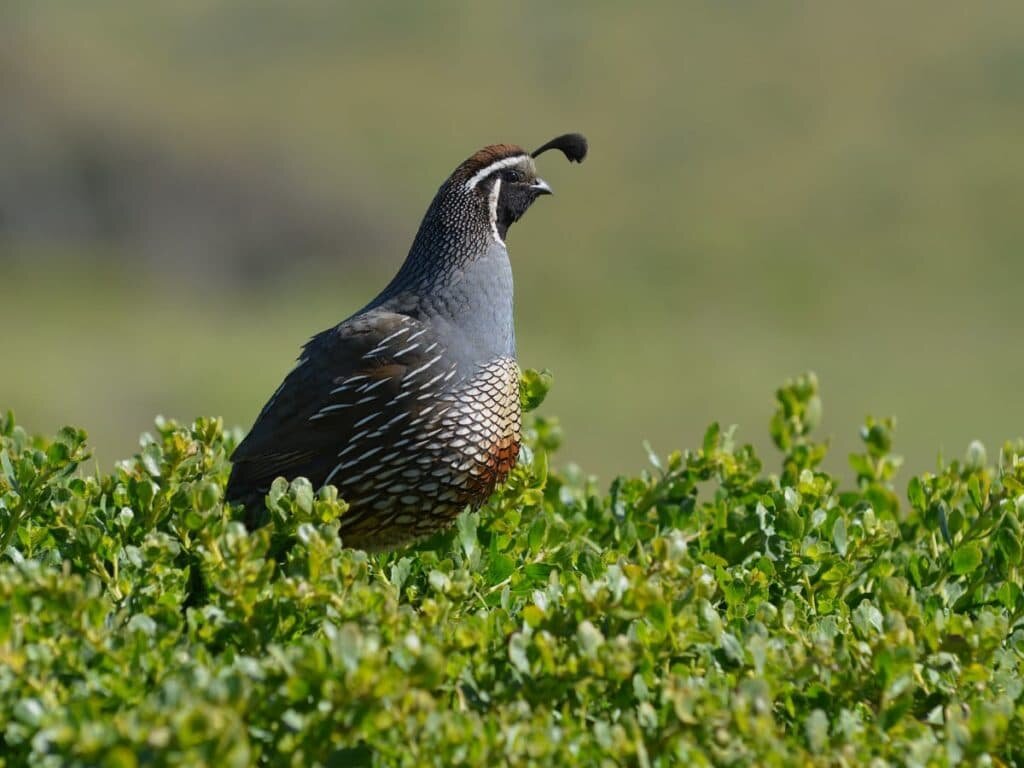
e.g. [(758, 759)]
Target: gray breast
[(472, 311)]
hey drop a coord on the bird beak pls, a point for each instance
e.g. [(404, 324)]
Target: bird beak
[(540, 187)]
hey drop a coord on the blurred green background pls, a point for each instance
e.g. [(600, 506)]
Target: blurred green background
[(188, 191)]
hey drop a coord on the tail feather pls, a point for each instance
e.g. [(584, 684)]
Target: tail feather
[(252, 500)]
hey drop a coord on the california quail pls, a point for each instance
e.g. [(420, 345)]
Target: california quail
[(411, 405)]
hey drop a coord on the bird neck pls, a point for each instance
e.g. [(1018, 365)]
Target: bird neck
[(458, 274), (453, 234)]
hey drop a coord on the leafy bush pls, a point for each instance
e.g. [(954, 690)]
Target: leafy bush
[(703, 613)]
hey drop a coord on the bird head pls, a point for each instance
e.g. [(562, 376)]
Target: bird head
[(502, 179)]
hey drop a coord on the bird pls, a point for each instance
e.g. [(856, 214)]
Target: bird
[(410, 407)]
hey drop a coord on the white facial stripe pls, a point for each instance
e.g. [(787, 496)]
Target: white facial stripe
[(497, 165), (493, 204)]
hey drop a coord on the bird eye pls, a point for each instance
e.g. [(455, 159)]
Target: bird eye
[(512, 175)]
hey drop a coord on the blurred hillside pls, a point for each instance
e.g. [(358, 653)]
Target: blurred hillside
[(188, 191)]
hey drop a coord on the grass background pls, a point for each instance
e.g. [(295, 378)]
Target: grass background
[(770, 189)]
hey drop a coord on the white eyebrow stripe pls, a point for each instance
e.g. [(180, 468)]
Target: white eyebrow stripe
[(497, 165)]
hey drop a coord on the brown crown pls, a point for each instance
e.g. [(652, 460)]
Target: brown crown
[(484, 157)]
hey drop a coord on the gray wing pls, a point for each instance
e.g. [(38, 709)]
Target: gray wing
[(354, 384)]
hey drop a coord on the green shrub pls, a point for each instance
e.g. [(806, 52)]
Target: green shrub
[(703, 613)]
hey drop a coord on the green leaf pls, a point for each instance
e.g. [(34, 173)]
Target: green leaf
[(540, 467), (711, 436), (278, 491), (1009, 545), (5, 464), (710, 611), (207, 496), (57, 454), (652, 457), (400, 572), (538, 572), (533, 615), (915, 493), (500, 568), (789, 524), (861, 465), (466, 524), (868, 619), (1009, 594), (839, 535), (533, 388), (966, 559), (816, 729), (302, 491), (536, 537), (974, 491)]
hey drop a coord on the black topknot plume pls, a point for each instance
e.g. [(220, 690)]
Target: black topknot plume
[(572, 145)]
